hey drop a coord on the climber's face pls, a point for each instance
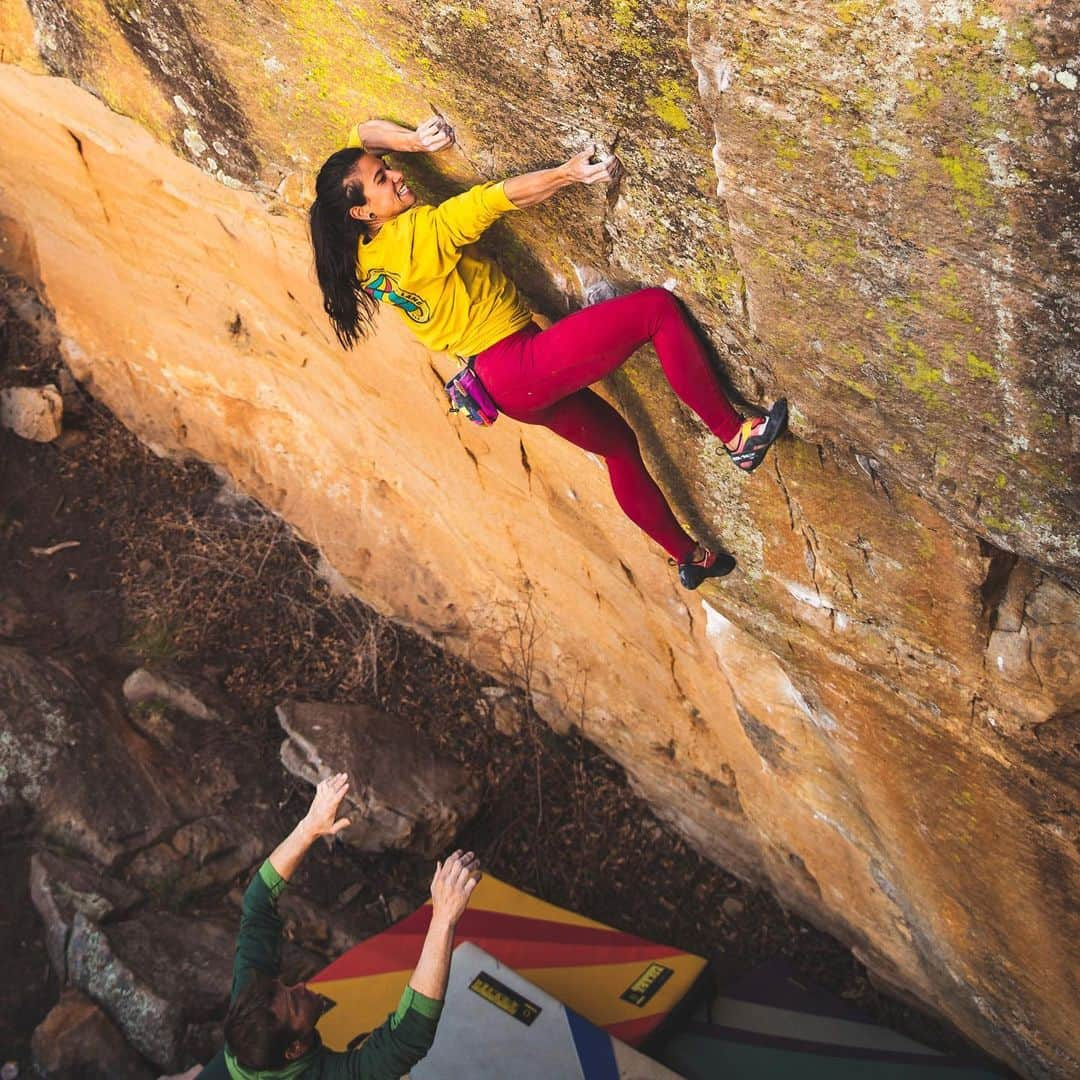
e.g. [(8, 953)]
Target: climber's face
[(385, 189)]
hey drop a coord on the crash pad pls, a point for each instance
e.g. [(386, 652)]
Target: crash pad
[(773, 1024), (496, 1024), (624, 984)]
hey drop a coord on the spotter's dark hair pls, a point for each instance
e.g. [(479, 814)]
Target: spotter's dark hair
[(253, 1033)]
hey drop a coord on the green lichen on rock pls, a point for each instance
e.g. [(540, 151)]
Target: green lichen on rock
[(969, 175), (981, 369), (873, 161), (670, 103)]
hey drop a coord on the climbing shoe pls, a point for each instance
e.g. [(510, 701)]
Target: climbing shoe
[(712, 564), (757, 434)]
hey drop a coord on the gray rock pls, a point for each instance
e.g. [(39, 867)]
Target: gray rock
[(32, 412), (73, 761), (181, 692), (181, 714), (60, 887), (157, 976), (401, 795), (78, 1039), (202, 854)]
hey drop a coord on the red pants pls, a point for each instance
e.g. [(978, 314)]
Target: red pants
[(540, 377)]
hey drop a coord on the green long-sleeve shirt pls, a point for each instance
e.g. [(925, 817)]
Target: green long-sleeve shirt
[(389, 1052)]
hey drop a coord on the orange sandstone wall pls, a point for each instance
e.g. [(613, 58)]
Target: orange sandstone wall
[(877, 714)]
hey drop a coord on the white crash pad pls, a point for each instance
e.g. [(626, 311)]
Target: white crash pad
[(496, 1024)]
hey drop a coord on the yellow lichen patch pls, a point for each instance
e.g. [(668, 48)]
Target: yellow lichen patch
[(849, 355), (668, 104), (1021, 49), (874, 161), (904, 305), (926, 97), (857, 387), (969, 176), (981, 369), (624, 12), (923, 380), (787, 153), (950, 300), (851, 11), (473, 18), (993, 519), (633, 44), (829, 99)]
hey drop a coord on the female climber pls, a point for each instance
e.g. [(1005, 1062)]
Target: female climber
[(374, 243)]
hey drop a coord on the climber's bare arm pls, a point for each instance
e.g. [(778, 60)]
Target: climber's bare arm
[(381, 136), (532, 188)]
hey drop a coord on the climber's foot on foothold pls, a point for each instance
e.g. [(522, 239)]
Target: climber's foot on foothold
[(756, 435), (704, 564)]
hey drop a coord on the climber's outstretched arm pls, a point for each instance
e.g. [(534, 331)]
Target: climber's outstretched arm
[(532, 188), (381, 136)]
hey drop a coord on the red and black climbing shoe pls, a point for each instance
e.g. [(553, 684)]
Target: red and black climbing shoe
[(757, 434), (712, 564)]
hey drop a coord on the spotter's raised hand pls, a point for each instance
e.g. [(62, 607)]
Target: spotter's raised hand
[(321, 818)]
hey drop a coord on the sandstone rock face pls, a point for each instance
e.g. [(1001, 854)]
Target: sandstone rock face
[(402, 796), (861, 202)]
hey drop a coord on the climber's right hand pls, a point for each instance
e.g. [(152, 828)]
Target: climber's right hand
[(580, 169), (433, 135)]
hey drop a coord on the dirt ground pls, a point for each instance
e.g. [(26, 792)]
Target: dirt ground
[(171, 567)]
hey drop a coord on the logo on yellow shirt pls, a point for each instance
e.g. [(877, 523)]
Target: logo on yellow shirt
[(384, 287)]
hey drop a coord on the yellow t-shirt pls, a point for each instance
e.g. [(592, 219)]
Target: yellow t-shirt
[(454, 300)]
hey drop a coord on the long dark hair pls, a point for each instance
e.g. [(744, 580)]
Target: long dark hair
[(335, 235)]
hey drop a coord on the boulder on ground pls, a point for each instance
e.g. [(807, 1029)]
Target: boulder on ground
[(74, 762), (200, 855), (60, 887), (185, 693), (32, 412), (157, 976), (402, 796), (77, 1039), (181, 714)]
